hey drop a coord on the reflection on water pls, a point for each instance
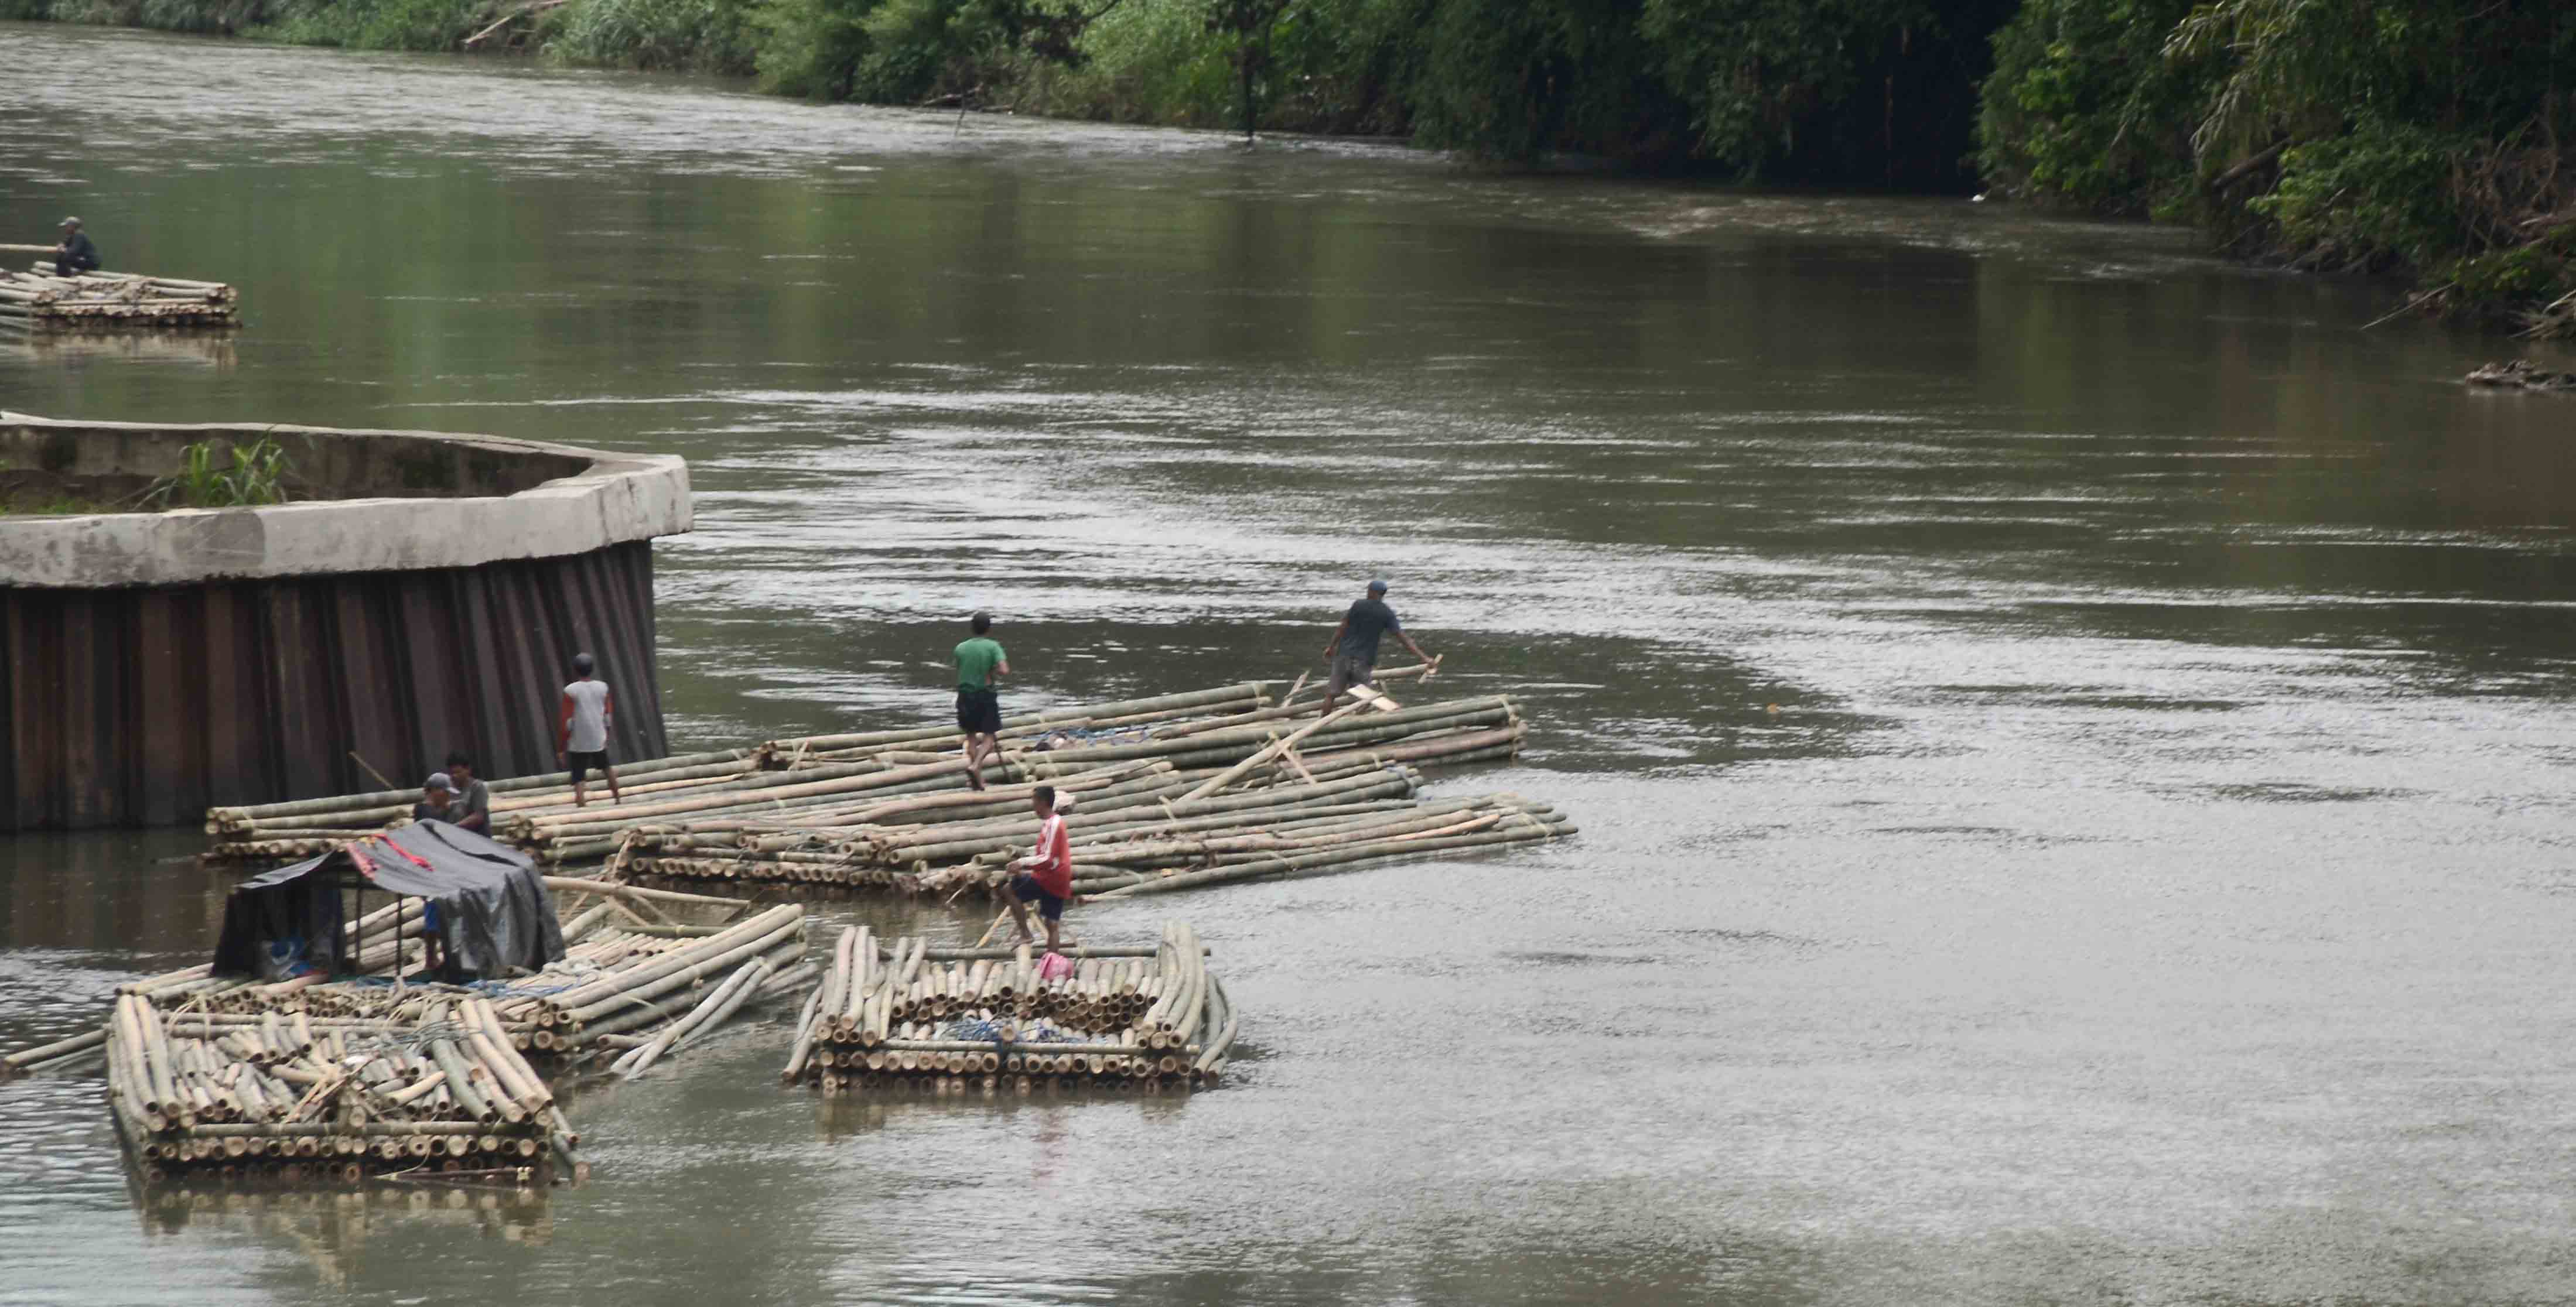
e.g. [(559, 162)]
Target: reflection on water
[(73, 349), (331, 1228), (2150, 887)]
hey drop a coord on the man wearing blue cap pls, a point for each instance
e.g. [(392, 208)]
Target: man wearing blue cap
[(1353, 648)]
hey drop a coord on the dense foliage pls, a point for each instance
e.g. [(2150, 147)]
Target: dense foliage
[(2424, 135)]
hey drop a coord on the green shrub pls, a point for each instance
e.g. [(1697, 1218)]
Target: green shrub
[(1514, 79), (2376, 197), (1145, 61), (218, 474), (378, 24), (2083, 106), (695, 35), (810, 48)]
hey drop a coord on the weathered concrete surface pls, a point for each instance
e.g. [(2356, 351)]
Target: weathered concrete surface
[(153, 664), (147, 704), (496, 499)]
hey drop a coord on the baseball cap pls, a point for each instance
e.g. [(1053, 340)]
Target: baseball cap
[(438, 781), (1378, 586)]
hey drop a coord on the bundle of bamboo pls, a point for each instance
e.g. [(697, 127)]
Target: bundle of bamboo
[(113, 299), (1125, 1017), (289, 1096), (796, 794), (323, 1077)]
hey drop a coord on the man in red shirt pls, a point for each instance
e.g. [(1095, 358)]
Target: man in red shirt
[(1045, 877)]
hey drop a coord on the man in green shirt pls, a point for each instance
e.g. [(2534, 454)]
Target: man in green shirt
[(979, 713)]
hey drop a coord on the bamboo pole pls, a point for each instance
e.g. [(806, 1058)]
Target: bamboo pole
[(718, 1005), (29, 1058), (1264, 755)]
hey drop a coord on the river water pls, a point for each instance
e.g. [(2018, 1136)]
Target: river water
[(2154, 884)]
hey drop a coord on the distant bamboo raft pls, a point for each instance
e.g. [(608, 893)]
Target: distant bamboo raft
[(335, 1078), (1176, 791), (118, 300), (903, 1014)]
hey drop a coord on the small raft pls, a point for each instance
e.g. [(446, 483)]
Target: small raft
[(904, 1016), (114, 300)]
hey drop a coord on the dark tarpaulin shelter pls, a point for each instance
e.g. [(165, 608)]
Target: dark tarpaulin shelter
[(493, 911)]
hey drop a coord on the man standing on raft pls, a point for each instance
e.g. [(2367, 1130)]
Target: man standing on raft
[(1045, 877), (581, 736), (979, 710), (1353, 649)]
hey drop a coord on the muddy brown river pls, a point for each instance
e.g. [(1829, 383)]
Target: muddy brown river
[(2154, 885)]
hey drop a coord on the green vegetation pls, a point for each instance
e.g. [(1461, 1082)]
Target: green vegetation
[(2429, 137), (2423, 136), (255, 473)]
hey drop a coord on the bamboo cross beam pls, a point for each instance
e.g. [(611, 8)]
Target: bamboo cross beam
[(1277, 747)]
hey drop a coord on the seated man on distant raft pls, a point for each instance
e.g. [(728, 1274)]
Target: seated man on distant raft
[(76, 254)]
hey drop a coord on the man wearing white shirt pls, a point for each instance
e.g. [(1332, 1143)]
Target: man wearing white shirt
[(581, 734)]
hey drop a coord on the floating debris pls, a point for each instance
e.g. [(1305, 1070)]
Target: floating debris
[(2520, 374)]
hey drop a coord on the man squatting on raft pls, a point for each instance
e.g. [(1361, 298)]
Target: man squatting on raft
[(1045, 877), (581, 737), (1353, 649), (979, 710), (77, 254)]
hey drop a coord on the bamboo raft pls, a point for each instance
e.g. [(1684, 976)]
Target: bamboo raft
[(318, 1078), (1171, 792), (911, 1016), (285, 1098), (38, 298)]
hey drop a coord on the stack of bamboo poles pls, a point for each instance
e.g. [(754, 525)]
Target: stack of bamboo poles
[(1185, 785), (292, 1096), (114, 299), (332, 1077), (303, 828), (911, 1015), (838, 781), (1139, 823), (627, 963)]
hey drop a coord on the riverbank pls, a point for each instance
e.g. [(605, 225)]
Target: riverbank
[(2236, 120)]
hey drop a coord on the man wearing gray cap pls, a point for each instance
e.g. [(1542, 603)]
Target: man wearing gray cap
[(76, 254), (437, 798), (1353, 649)]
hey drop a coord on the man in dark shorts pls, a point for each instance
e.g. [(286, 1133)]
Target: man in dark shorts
[(979, 710), (1045, 877), (1352, 652), (581, 736)]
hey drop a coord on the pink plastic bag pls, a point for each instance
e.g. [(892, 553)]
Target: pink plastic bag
[(1054, 966)]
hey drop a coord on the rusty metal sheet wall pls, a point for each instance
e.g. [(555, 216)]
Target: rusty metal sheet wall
[(146, 706)]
